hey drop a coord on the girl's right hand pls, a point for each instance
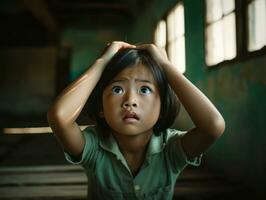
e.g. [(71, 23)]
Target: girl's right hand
[(112, 48)]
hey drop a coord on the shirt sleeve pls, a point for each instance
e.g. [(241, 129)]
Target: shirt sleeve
[(88, 155), (176, 152)]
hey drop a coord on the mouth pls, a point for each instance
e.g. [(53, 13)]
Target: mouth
[(130, 117)]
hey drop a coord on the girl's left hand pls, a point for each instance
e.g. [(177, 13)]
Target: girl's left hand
[(158, 54)]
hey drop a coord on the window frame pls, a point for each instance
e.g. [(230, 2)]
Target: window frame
[(242, 53), (164, 18)]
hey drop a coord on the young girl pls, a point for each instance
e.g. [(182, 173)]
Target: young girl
[(131, 153)]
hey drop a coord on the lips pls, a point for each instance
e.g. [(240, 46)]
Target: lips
[(130, 116)]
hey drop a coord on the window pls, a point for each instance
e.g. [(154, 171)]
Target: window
[(234, 29), (160, 34), (256, 24), (170, 34), (220, 31)]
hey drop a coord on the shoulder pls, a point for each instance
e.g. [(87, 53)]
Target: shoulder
[(92, 131), (92, 137), (175, 149), (173, 133), (89, 154), (89, 130)]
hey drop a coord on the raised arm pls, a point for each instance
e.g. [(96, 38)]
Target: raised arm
[(66, 108), (209, 124)]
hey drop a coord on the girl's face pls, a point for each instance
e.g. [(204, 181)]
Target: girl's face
[(131, 101)]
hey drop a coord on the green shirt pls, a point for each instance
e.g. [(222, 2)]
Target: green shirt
[(109, 176)]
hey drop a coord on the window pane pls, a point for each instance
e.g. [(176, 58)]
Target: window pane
[(214, 10), (228, 6), (160, 34), (175, 22), (171, 26), (176, 52), (229, 30), (214, 51), (256, 25), (179, 19), (176, 37)]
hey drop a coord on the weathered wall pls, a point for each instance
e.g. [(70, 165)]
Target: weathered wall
[(87, 45), (240, 90)]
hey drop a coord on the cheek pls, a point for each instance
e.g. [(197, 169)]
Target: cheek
[(157, 108), (109, 103), (153, 105)]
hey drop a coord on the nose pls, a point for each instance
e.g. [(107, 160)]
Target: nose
[(128, 104), (130, 100)]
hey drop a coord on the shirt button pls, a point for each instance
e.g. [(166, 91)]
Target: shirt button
[(136, 187)]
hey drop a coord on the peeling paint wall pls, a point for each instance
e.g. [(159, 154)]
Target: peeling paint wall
[(242, 99)]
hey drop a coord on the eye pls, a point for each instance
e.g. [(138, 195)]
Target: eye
[(145, 90), (117, 90)]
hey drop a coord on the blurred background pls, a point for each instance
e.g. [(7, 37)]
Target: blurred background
[(220, 45)]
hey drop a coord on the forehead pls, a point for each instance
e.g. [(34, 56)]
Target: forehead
[(138, 71)]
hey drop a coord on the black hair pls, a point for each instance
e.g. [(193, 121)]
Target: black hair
[(126, 58)]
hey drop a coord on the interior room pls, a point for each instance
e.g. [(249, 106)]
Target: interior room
[(219, 45)]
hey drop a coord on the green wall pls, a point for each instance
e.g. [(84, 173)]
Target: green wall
[(239, 90), (87, 45)]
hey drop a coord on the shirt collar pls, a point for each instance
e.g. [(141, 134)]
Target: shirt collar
[(156, 145)]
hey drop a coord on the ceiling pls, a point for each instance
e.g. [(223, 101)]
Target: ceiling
[(35, 22), (58, 14)]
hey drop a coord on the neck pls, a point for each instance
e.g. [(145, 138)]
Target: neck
[(133, 149), (133, 145)]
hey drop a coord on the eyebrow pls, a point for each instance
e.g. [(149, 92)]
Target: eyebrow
[(136, 80)]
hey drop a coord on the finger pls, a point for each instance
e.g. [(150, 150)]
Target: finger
[(143, 46), (128, 46), (122, 44)]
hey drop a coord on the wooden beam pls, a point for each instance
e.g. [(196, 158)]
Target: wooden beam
[(41, 13)]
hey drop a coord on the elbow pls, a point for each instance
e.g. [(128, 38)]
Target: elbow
[(214, 127), (53, 116), (217, 127)]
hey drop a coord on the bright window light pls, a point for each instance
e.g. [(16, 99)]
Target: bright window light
[(160, 34), (170, 35), (220, 31), (229, 36), (176, 37), (256, 25), (214, 10), (214, 51)]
